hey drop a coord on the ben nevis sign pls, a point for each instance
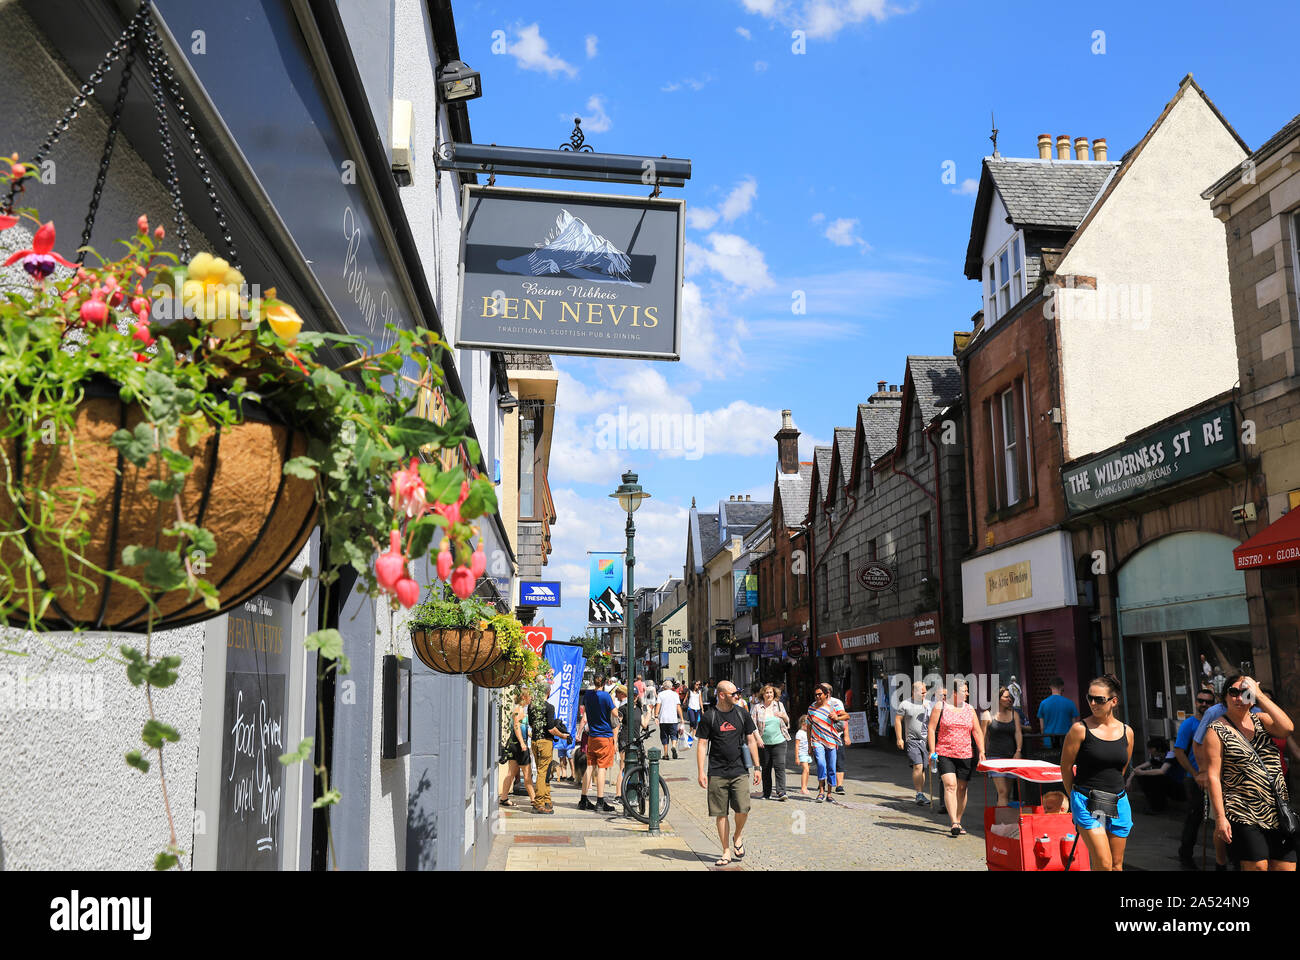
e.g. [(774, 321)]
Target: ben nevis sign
[(576, 273)]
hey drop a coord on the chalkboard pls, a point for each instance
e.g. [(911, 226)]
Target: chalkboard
[(250, 820)]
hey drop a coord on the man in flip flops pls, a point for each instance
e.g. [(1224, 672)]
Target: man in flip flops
[(722, 732)]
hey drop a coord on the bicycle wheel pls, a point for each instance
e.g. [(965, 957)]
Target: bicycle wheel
[(636, 798)]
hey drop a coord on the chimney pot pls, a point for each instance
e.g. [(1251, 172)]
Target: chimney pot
[(748, 497), (731, 498), (893, 388), (1081, 148), (1044, 146), (1063, 147), (1099, 148), (880, 386), (786, 422)]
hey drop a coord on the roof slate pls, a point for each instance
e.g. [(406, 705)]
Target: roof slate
[(794, 489), (708, 531), (1048, 193), (822, 462), (937, 381), (879, 426), (844, 440)]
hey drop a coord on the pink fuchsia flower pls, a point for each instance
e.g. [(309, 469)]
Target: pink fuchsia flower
[(141, 333), (7, 221), (390, 565), (408, 493), (449, 510), (94, 311), (159, 232), (408, 592), (462, 582), (41, 259), (478, 561), (141, 308), (142, 357), (444, 559), (143, 224)]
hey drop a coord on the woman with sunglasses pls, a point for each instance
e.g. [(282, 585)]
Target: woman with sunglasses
[(1244, 768), (824, 722), (952, 728), (1096, 753)]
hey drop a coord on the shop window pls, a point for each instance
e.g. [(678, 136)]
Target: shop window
[(1006, 663)]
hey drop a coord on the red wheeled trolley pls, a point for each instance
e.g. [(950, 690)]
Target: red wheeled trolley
[(1031, 837)]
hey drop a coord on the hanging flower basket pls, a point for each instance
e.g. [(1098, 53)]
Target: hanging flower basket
[(456, 649), (238, 490), (503, 673)]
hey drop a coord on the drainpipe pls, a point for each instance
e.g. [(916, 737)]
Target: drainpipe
[(934, 499), (808, 527)]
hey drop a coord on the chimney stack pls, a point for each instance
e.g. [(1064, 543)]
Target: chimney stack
[(1081, 148), (1044, 146), (1062, 147), (1099, 148), (787, 444), (880, 386)]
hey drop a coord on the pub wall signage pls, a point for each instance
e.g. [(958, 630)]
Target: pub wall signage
[(576, 273), (1009, 583), (1160, 458)]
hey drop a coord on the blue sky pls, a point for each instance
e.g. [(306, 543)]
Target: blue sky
[(822, 172)]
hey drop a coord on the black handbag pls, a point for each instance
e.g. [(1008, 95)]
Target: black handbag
[(1104, 802)]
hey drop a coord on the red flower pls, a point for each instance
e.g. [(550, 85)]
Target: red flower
[(408, 592), (41, 259), (408, 491), (142, 357), (478, 561), (444, 560), (95, 311), (143, 223), (7, 221), (462, 582), (390, 565), (142, 333)]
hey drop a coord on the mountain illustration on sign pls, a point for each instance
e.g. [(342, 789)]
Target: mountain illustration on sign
[(607, 608), (572, 249)]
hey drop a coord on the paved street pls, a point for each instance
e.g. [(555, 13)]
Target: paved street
[(876, 826)]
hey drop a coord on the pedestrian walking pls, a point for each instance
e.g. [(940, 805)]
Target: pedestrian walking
[(845, 738), (1197, 784), (1093, 759), (1002, 741), (824, 726), (802, 755), (773, 725), (546, 729), (600, 745), (515, 754), (623, 726), (668, 713), (722, 731), (694, 705), (1252, 809), (910, 725), (952, 729), (1056, 714)]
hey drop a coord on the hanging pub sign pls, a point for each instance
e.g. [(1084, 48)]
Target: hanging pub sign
[(554, 272), (1159, 458), (875, 575)]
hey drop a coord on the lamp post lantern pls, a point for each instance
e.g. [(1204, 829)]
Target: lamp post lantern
[(629, 495)]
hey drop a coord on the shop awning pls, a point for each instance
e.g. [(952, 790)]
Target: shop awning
[(1277, 544)]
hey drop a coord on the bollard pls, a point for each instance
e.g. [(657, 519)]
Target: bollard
[(653, 754)]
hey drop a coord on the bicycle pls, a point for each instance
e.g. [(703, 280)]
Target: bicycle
[(636, 794)]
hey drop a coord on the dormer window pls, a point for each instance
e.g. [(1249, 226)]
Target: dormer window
[(1004, 279)]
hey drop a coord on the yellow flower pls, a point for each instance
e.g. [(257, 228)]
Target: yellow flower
[(285, 322), (211, 290)]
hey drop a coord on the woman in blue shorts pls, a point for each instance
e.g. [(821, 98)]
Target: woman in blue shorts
[(1096, 753)]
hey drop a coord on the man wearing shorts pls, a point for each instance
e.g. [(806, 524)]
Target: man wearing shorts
[(910, 726), (722, 732), (668, 709), (602, 727)]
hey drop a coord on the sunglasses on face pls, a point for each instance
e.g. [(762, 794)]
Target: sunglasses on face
[(1205, 703), (1236, 691), (1097, 700)]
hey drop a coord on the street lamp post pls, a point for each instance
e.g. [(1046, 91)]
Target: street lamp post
[(629, 495)]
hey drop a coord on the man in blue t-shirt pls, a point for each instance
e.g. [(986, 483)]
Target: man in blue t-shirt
[(1185, 756), (602, 727), (1056, 714)]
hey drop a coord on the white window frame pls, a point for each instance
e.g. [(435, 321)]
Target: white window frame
[(1002, 292), (1010, 448)]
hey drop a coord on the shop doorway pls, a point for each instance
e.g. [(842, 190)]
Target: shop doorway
[(1170, 668)]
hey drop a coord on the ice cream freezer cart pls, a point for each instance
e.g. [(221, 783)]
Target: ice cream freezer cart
[(1038, 833)]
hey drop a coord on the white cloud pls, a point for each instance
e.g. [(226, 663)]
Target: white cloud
[(591, 45), (969, 187), (737, 203), (594, 118), (744, 33), (733, 258), (760, 66), (531, 52), (843, 232), (822, 19), (818, 217), (693, 83)]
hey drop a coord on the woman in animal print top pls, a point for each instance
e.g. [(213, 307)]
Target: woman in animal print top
[(1242, 763)]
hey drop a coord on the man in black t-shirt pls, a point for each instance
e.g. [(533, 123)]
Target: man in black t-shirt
[(722, 732)]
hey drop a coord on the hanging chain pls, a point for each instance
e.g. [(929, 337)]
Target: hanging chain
[(165, 140), (108, 149), (79, 101)]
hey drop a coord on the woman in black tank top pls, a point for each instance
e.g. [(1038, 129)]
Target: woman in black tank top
[(1096, 752), (1002, 741)]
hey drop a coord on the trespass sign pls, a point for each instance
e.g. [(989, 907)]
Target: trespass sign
[(571, 273), (1157, 459)]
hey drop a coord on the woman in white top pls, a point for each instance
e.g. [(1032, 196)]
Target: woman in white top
[(694, 707), (773, 725)]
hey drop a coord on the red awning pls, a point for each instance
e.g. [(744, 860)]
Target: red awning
[(1277, 544)]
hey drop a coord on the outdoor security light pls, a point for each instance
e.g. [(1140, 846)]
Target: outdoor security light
[(456, 81), (508, 402), (629, 493)]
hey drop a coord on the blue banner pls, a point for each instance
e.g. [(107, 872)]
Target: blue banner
[(539, 593), (605, 590), (567, 661)]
